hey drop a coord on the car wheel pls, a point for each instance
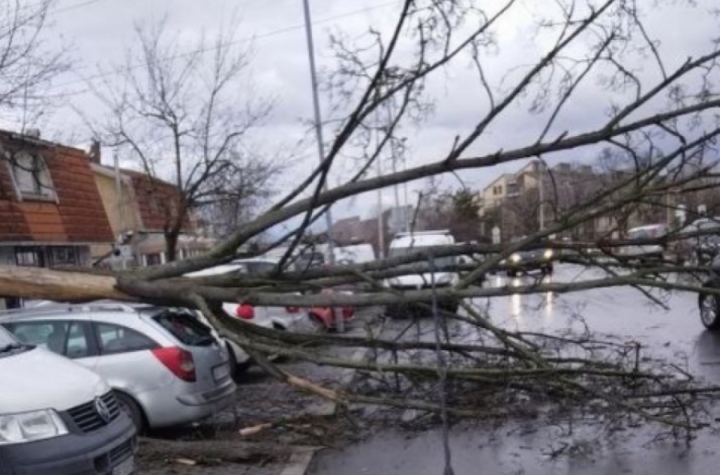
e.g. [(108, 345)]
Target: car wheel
[(237, 370), (709, 311), (452, 306), (318, 323), (512, 273), (132, 409)]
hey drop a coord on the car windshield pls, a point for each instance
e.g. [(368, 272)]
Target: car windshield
[(644, 234), (183, 326), (440, 262), (256, 268)]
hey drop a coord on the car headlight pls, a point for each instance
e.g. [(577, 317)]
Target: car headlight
[(548, 254), (30, 426), (515, 258)]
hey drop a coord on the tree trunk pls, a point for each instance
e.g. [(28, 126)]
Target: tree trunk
[(171, 242)]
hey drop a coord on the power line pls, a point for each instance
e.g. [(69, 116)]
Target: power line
[(77, 6), (213, 48)]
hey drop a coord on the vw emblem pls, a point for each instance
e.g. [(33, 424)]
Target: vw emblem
[(102, 410)]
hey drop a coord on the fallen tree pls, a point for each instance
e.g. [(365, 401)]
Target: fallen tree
[(662, 127)]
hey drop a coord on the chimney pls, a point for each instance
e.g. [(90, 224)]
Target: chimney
[(95, 153)]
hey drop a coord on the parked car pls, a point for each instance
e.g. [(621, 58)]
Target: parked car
[(407, 243), (326, 318), (522, 262), (644, 251), (354, 254), (699, 241), (165, 367), (57, 417), (279, 318)]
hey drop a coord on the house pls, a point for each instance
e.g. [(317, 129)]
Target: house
[(51, 213), (521, 203), (140, 208)]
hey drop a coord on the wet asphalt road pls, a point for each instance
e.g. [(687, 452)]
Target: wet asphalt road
[(674, 333)]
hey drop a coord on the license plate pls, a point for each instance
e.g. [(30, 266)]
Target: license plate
[(221, 372), (126, 467)]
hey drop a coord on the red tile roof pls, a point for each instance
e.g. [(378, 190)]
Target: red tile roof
[(77, 217), (157, 201)]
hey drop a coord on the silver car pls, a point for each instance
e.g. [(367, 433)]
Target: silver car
[(166, 367)]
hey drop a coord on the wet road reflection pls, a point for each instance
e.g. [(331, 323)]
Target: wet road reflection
[(672, 331)]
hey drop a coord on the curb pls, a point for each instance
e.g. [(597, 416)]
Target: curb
[(329, 408), (299, 461)]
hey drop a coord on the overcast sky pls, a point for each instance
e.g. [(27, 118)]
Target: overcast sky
[(100, 31)]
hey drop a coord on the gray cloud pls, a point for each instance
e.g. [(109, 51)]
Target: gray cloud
[(102, 32)]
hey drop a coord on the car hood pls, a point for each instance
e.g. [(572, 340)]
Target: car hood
[(422, 280), (39, 379)]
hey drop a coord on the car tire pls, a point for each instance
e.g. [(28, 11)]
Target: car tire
[(318, 323), (237, 370), (133, 410), (512, 274), (452, 306), (398, 311), (708, 307)]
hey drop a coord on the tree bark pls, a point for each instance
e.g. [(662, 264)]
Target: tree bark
[(171, 242), (46, 284)]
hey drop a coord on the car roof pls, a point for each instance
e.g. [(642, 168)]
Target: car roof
[(48, 309), (111, 312), (422, 239), (647, 226)]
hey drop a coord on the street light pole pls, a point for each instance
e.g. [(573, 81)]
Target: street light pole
[(340, 323)]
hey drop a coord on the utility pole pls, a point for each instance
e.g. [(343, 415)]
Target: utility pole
[(118, 201), (541, 193), (340, 321)]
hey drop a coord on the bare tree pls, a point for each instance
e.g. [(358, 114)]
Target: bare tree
[(184, 118), (663, 123), (28, 64)]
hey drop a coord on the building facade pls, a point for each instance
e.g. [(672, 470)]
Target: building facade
[(140, 208), (51, 213)]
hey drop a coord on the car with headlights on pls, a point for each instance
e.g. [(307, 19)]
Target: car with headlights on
[(165, 367), (58, 417), (523, 262)]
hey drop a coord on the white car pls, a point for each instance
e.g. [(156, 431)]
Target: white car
[(279, 318), (57, 417), (408, 243), (165, 367), (645, 251)]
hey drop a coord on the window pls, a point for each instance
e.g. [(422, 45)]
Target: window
[(76, 345), (38, 334), (115, 339), (64, 256), (29, 257), (31, 176), (61, 337), (186, 328), (153, 259)]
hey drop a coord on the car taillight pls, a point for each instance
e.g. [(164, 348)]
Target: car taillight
[(348, 312), (177, 360), (245, 311), (292, 309)]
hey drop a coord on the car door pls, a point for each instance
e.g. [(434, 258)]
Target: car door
[(125, 359)]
